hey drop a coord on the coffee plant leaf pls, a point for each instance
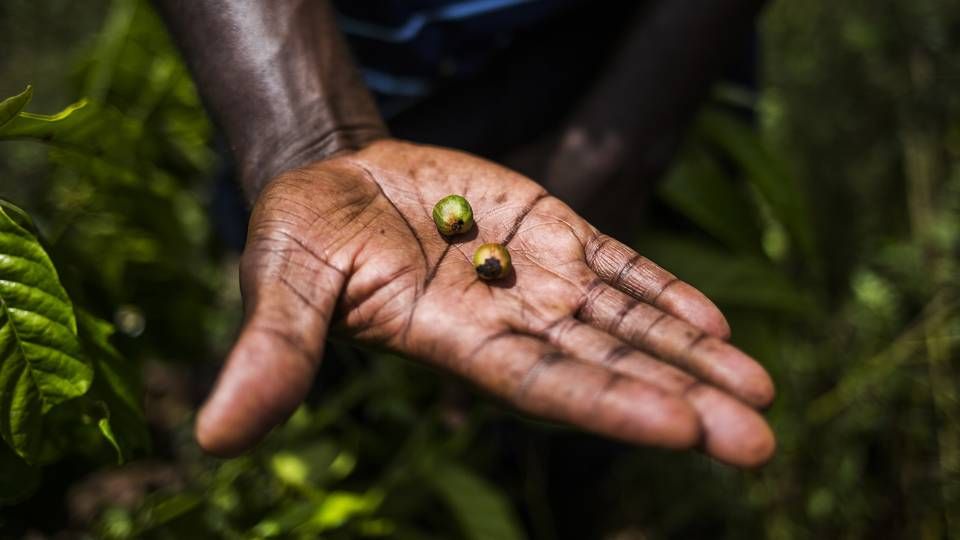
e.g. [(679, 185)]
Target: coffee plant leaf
[(41, 359), (11, 107)]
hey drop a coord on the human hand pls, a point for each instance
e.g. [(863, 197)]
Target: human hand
[(584, 332)]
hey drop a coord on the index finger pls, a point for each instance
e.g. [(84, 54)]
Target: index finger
[(625, 269)]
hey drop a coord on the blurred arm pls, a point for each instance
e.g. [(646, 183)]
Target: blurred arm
[(636, 112), (277, 77)]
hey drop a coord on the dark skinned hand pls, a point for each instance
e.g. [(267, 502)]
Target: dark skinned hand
[(585, 332)]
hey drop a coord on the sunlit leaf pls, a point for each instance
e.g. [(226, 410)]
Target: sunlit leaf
[(11, 107), (313, 464), (340, 507), (107, 431), (80, 127), (42, 360)]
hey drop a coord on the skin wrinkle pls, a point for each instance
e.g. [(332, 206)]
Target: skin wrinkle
[(523, 215), (436, 267), (534, 262), (618, 281), (586, 298), (693, 343), (378, 309), (303, 298), (615, 379), (378, 286), (306, 249), (294, 342), (594, 250), (637, 264), (569, 227), (289, 200), (646, 332), (272, 221), (622, 314), (616, 354), (413, 232), (555, 331), (544, 362), (496, 210), (666, 286), (692, 386), (487, 341)]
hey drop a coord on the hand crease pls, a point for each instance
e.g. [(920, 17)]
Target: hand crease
[(593, 249), (303, 298), (523, 215), (666, 286), (616, 354), (311, 252), (646, 332), (622, 274), (542, 363), (622, 315)]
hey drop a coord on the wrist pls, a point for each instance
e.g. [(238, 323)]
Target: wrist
[(269, 158)]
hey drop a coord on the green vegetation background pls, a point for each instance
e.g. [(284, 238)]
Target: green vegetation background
[(834, 250)]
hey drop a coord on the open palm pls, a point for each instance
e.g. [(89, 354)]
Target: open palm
[(585, 331)]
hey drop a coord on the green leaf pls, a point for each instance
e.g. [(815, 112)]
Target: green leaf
[(117, 385), (18, 215), (97, 133), (313, 464), (483, 512), (107, 430), (339, 507), (11, 107), (730, 280), (766, 171), (69, 124), (163, 510), (41, 360), (701, 191)]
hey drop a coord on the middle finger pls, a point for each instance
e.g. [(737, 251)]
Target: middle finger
[(678, 342)]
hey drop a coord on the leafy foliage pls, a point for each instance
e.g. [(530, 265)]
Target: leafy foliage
[(50, 350), (42, 361)]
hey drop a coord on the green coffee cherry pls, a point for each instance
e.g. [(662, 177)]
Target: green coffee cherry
[(453, 215), (492, 261)]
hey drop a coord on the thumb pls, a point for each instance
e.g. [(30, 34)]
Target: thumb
[(289, 302)]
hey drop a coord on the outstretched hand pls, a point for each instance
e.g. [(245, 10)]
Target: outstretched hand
[(585, 331)]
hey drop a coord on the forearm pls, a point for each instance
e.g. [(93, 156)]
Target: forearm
[(666, 64), (653, 85), (278, 79)]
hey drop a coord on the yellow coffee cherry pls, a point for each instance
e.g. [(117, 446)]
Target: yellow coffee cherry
[(492, 261)]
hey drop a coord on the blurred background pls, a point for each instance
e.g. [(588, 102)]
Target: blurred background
[(824, 222)]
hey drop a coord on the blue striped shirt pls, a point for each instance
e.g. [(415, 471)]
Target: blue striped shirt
[(406, 48)]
